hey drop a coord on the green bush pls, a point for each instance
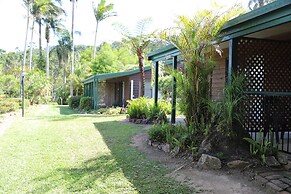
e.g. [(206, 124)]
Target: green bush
[(74, 101), (177, 136), (111, 111), (144, 108), (86, 103), (11, 104), (139, 108)]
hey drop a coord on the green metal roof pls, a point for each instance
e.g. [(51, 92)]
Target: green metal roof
[(268, 16), (105, 76), (162, 53)]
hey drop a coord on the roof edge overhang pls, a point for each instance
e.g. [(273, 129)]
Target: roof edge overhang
[(105, 76), (163, 53), (268, 16)]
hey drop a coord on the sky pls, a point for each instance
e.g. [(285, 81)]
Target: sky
[(129, 12)]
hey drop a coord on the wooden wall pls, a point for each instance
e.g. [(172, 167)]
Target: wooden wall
[(219, 75), (136, 82)]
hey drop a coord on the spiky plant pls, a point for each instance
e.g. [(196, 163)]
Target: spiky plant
[(194, 37), (138, 43)]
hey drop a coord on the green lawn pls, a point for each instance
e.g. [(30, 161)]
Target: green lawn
[(53, 150)]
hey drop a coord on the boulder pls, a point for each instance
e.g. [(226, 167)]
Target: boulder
[(282, 158), (237, 164), (272, 162), (209, 162), (175, 151), (166, 148), (287, 166)]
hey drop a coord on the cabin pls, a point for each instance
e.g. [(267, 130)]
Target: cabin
[(114, 89), (258, 45)]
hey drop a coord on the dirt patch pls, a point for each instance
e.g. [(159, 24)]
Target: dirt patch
[(222, 181)]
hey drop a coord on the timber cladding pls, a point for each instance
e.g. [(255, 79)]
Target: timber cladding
[(219, 75), (137, 80)]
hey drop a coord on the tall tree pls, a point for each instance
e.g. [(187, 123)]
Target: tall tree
[(39, 10), (101, 12), (52, 22), (73, 49), (27, 4), (63, 50), (194, 38), (138, 43)]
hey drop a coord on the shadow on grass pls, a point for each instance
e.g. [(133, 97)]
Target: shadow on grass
[(66, 113), (78, 179), (114, 172)]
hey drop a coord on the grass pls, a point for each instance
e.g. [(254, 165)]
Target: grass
[(54, 150)]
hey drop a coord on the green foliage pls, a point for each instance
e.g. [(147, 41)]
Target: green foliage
[(224, 113), (138, 108), (144, 108), (262, 147), (194, 37), (111, 111), (11, 104), (36, 86), (86, 103), (62, 96), (165, 83), (176, 135), (74, 101), (105, 60), (9, 85)]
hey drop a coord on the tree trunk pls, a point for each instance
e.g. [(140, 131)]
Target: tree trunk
[(73, 49), (31, 41), (47, 59), (95, 41), (142, 74), (25, 44), (39, 39), (64, 75), (47, 37)]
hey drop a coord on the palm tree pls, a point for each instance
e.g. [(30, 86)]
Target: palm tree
[(27, 4), (73, 50), (63, 50), (39, 9), (101, 12), (52, 22), (138, 43), (194, 37)]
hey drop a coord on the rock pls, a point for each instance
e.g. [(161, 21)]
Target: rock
[(155, 144), (272, 162), (282, 158), (138, 121), (166, 147), (237, 164), (175, 151), (209, 162), (144, 121), (287, 166), (149, 142), (205, 146)]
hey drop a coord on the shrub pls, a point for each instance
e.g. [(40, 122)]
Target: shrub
[(138, 108), (111, 111), (86, 103), (11, 104), (144, 108), (177, 136), (74, 101)]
